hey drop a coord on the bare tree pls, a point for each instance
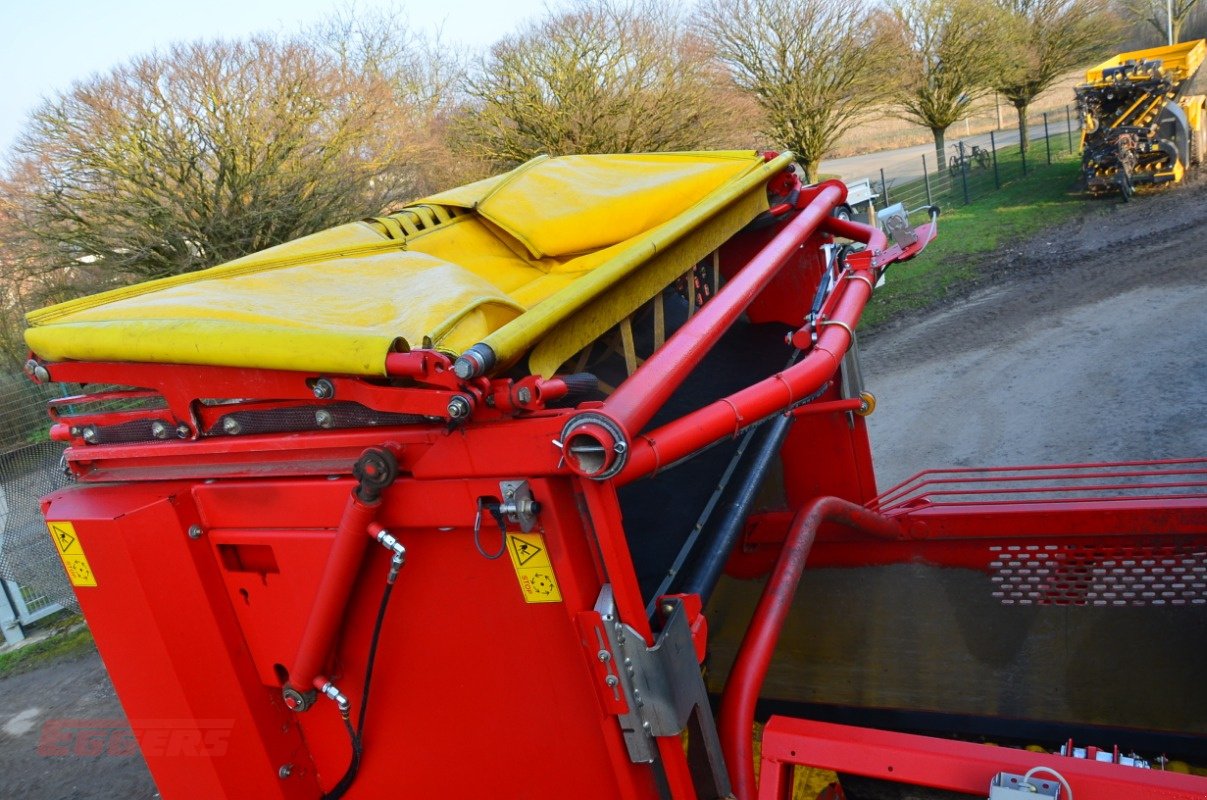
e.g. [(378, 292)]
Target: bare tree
[(209, 151), (603, 76), (1165, 17), (813, 66), (951, 51), (1052, 37)]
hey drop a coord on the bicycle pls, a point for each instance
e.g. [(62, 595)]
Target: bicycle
[(965, 157)]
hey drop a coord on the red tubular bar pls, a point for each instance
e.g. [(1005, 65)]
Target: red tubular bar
[(873, 237), (335, 588), (954, 766), (636, 400), (728, 416), (754, 656)]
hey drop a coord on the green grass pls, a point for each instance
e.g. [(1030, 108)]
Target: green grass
[(1047, 196), (67, 641)]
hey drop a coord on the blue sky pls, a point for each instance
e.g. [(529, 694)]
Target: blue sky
[(45, 47)]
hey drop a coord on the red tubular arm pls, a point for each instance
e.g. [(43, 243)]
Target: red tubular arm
[(727, 417), (873, 237), (754, 656), (636, 400)]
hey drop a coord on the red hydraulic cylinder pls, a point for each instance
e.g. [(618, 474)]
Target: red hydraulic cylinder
[(335, 587), (754, 656)]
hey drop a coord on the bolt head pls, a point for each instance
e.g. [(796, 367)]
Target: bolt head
[(668, 608), (285, 771), (324, 419), (604, 656), (90, 434), (611, 680), (42, 374), (323, 389), (159, 430), (182, 431), (195, 532), (524, 395), (231, 425), (458, 407)]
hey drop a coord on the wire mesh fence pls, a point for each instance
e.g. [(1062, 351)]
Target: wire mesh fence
[(976, 166), (30, 468)]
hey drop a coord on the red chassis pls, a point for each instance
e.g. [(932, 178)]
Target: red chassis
[(244, 579)]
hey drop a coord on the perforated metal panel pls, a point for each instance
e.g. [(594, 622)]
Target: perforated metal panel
[(1075, 574)]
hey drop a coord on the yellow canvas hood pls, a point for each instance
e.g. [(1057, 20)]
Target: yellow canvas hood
[(457, 268)]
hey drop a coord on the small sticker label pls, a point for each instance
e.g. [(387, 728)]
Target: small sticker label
[(533, 568), (68, 546)]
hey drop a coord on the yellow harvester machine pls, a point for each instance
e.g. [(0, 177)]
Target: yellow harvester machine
[(1142, 124)]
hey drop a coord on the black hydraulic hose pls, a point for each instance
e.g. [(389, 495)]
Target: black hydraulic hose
[(356, 735), (705, 573)]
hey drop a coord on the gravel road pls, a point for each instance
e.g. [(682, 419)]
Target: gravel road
[(1085, 343)]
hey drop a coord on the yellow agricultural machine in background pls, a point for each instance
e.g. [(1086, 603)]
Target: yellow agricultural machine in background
[(1142, 124)]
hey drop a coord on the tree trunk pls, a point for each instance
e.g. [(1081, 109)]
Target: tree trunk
[(940, 148), (812, 170), (1022, 126)]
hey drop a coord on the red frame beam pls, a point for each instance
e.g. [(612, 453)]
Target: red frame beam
[(945, 764)]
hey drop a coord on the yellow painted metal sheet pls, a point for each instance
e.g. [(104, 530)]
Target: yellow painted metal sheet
[(536, 245), (1181, 60)]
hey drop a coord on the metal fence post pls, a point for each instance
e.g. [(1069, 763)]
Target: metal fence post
[(10, 627), (964, 172), (1047, 138), (1069, 125), (884, 186), (926, 179), (997, 178)]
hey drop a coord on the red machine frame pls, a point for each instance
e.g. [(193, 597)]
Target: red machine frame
[(245, 566)]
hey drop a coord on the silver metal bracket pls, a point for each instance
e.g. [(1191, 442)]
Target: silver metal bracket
[(518, 505), (663, 691)]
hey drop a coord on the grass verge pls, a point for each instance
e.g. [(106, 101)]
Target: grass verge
[(1047, 196), (69, 640)]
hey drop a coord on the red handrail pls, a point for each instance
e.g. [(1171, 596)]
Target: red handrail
[(754, 656)]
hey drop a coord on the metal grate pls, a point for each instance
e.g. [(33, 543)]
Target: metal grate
[(1087, 575), (27, 555)]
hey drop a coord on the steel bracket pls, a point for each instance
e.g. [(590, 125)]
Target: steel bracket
[(518, 505), (663, 691)]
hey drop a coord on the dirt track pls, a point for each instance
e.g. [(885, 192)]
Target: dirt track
[(1085, 343)]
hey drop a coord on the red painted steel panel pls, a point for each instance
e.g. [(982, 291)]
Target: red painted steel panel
[(173, 647)]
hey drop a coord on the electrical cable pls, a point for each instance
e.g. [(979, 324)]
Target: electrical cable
[(1050, 771), (493, 508), (356, 735)]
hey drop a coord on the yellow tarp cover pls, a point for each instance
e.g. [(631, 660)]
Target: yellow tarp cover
[(468, 265)]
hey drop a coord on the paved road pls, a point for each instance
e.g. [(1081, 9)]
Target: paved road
[(905, 164)]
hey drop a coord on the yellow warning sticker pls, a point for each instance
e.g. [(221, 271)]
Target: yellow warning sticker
[(68, 546), (533, 568)]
